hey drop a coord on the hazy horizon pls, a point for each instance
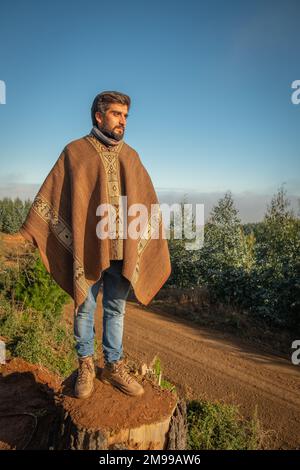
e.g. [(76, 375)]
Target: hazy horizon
[(251, 206)]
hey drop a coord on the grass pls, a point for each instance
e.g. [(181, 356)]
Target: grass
[(157, 369), (218, 426), (37, 338)]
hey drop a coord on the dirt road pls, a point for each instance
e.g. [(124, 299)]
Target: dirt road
[(211, 365)]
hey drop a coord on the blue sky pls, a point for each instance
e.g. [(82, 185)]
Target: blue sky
[(210, 83)]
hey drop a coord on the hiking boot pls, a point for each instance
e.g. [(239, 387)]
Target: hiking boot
[(85, 378), (115, 373)]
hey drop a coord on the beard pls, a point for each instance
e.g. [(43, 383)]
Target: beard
[(111, 133)]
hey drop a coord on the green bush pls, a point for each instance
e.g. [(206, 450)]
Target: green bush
[(33, 286), (31, 315), (37, 339), (216, 426)]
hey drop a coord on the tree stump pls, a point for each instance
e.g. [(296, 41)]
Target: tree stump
[(110, 419), (177, 435)]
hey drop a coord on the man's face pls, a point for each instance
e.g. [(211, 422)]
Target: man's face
[(114, 121)]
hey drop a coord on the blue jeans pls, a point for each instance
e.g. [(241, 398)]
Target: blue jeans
[(115, 292)]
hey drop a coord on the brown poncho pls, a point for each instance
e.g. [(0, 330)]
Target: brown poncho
[(62, 220)]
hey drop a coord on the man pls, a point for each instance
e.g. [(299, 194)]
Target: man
[(93, 173), (109, 116)]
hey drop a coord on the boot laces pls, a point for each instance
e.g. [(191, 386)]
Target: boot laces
[(84, 371), (121, 370)]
